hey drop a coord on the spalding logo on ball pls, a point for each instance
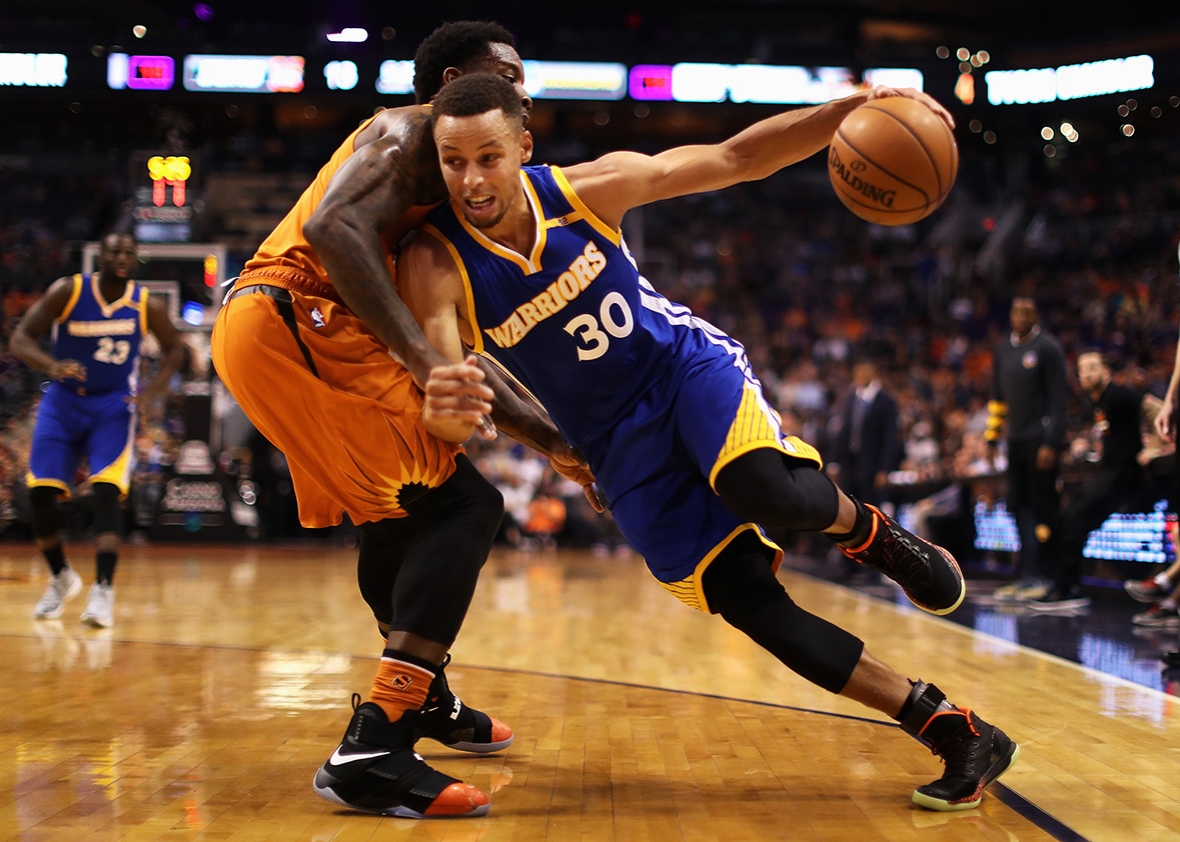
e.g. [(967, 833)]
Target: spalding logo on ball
[(893, 161)]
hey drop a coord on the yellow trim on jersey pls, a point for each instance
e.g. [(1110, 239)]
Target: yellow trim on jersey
[(756, 425), (74, 296), (122, 301), (468, 293), (691, 591), (118, 473), (601, 227), (530, 265), (562, 221), (508, 375), (143, 324), (32, 482)]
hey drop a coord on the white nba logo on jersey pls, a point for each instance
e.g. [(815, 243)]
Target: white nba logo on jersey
[(317, 317)]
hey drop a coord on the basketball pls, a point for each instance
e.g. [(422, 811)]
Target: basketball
[(893, 161)]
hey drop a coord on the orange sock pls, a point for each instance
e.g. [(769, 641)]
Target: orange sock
[(400, 686)]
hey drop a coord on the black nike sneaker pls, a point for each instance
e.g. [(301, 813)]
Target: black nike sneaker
[(375, 770), (444, 717)]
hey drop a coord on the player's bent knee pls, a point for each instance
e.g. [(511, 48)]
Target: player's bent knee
[(767, 487), (477, 503), (43, 510), (107, 513)]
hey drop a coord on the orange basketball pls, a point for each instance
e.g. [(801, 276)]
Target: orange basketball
[(892, 161)]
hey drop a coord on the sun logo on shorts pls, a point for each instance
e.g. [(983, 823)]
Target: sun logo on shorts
[(416, 480), (410, 492)]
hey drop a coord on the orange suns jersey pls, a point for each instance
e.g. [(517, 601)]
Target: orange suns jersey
[(286, 255)]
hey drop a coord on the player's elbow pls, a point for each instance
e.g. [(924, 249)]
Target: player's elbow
[(328, 228)]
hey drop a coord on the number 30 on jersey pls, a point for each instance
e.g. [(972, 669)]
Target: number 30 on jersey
[(614, 315)]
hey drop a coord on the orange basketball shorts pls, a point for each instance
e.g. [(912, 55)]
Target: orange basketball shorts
[(326, 392)]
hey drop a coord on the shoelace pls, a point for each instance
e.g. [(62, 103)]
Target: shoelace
[(958, 747), (913, 562)]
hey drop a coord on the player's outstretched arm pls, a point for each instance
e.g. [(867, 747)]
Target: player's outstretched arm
[(366, 197), (36, 323), (619, 181), (171, 353)]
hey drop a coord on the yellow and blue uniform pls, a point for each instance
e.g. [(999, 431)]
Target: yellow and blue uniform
[(656, 399), (92, 418)]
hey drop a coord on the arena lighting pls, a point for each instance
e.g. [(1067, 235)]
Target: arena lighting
[(35, 70), (543, 79), (786, 84), (349, 35), (777, 84), (243, 74), (395, 77), (650, 81), (1070, 81), (575, 80), (341, 75), (140, 73), (895, 77)]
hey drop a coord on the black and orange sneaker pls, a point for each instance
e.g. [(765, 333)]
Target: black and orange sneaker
[(444, 717), (974, 752), (375, 770), (928, 574)]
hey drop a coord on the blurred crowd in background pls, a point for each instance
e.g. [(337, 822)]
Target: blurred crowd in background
[(780, 264)]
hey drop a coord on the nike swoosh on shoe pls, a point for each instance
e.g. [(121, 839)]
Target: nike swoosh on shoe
[(338, 759)]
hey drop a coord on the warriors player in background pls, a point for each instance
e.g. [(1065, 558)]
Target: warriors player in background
[(90, 409), (326, 361), (529, 267)]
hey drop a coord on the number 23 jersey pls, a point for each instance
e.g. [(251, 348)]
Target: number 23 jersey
[(103, 336), (577, 299)]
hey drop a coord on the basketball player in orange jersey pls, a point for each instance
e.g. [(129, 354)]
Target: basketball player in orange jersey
[(528, 266), (323, 357)]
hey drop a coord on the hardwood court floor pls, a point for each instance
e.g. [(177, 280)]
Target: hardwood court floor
[(203, 714)]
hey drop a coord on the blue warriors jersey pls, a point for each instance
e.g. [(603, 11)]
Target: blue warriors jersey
[(102, 336), (577, 298), (91, 419), (656, 399)]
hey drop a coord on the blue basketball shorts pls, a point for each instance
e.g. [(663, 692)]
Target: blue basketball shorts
[(658, 465), (100, 428)]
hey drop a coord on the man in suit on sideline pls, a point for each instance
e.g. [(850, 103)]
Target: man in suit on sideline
[(866, 448)]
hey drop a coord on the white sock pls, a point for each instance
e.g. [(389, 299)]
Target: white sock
[(1163, 581)]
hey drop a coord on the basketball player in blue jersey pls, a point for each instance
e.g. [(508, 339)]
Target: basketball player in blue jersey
[(98, 322), (528, 267)]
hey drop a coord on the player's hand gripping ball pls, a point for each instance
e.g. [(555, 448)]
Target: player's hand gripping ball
[(893, 161)]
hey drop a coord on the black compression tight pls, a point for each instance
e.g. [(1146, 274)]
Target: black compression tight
[(43, 510), (741, 587), (767, 487), (418, 573)]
